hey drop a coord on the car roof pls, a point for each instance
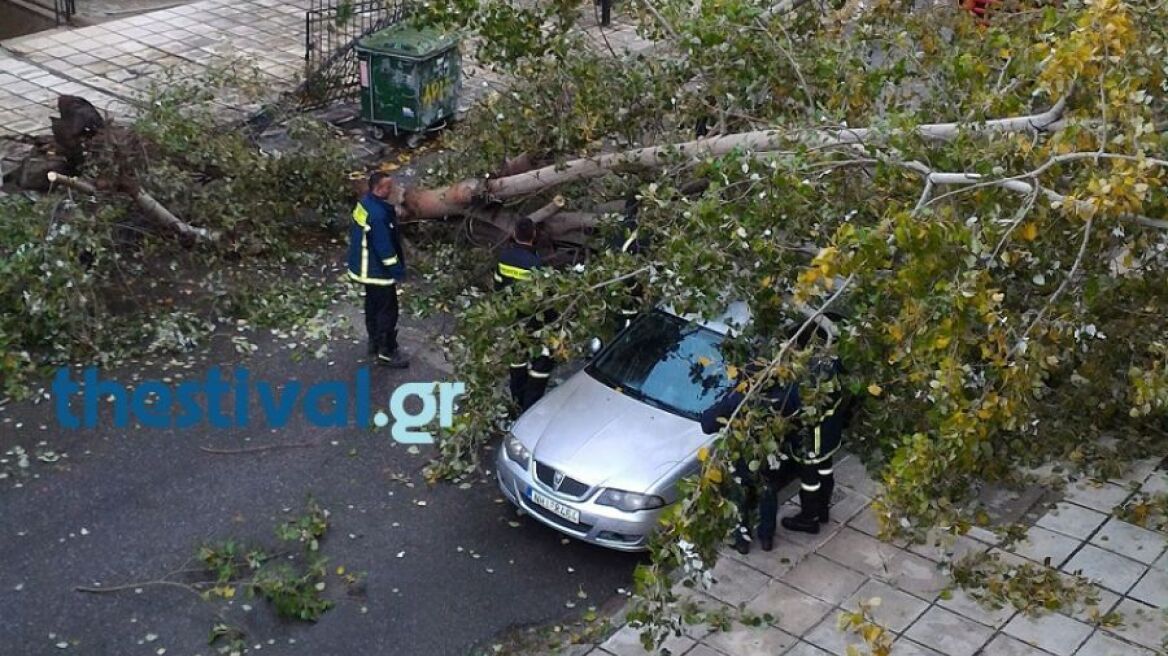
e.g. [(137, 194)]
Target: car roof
[(734, 317)]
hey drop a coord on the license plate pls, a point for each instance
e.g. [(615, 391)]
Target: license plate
[(570, 514)]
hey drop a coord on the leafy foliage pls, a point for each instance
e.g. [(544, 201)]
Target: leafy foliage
[(52, 261), (292, 586), (91, 279), (1030, 588), (1005, 283), (860, 622), (1149, 510)]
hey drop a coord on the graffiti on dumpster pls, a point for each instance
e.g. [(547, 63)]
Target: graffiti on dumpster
[(435, 90)]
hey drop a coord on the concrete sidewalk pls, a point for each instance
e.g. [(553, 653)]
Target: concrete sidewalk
[(807, 581)]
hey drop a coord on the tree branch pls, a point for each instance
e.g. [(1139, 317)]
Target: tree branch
[(1018, 185), (148, 204), (1061, 288)]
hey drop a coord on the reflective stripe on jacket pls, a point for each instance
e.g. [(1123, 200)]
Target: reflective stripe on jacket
[(515, 263)]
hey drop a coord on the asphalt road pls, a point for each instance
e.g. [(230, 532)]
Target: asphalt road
[(446, 569)]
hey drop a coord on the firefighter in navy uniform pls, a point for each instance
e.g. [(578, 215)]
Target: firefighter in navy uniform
[(528, 378), (758, 490), (628, 240), (518, 258), (810, 451), (376, 261)]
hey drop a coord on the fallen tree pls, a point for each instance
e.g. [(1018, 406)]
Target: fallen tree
[(1001, 208)]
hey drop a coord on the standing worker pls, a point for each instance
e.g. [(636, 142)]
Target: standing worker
[(811, 450), (528, 380), (758, 490), (627, 240), (376, 261)]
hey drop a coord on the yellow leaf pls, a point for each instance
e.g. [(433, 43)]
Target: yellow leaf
[(714, 475), (871, 633), (340, 570), (703, 454), (875, 390), (731, 372), (227, 592), (1029, 231), (941, 342), (704, 361)]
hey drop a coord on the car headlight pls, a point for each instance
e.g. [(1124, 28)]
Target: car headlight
[(516, 451), (629, 501)]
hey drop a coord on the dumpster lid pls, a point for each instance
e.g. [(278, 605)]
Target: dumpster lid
[(408, 40)]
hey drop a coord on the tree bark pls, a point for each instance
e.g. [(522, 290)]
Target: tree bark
[(547, 211)]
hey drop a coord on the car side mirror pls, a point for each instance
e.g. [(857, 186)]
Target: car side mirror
[(594, 346)]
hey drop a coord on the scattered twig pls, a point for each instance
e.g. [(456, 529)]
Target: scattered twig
[(142, 584), (256, 449)]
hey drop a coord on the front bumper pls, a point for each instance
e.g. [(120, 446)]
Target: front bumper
[(604, 526)]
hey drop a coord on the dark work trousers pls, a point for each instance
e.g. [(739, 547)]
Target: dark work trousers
[(381, 317), (816, 485), (761, 490), (537, 380), (756, 491), (529, 380)]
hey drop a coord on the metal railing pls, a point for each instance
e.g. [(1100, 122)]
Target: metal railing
[(331, 29), (64, 10)]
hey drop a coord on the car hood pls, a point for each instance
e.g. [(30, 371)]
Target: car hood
[(599, 436)]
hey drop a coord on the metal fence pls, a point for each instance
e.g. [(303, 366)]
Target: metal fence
[(64, 10), (331, 29)]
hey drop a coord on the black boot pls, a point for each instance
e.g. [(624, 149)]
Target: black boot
[(741, 541), (393, 359), (807, 521), (372, 350)]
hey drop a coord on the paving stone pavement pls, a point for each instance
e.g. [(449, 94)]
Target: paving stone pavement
[(113, 63), (805, 583)]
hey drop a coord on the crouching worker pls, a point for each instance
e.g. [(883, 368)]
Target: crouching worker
[(528, 377), (376, 261), (759, 489)]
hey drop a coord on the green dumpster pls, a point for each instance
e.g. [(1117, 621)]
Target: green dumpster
[(410, 79)]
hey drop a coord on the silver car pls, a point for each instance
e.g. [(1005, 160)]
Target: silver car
[(600, 456)]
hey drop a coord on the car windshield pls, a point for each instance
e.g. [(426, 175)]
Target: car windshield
[(667, 362)]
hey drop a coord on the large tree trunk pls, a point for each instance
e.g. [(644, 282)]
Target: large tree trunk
[(454, 199)]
